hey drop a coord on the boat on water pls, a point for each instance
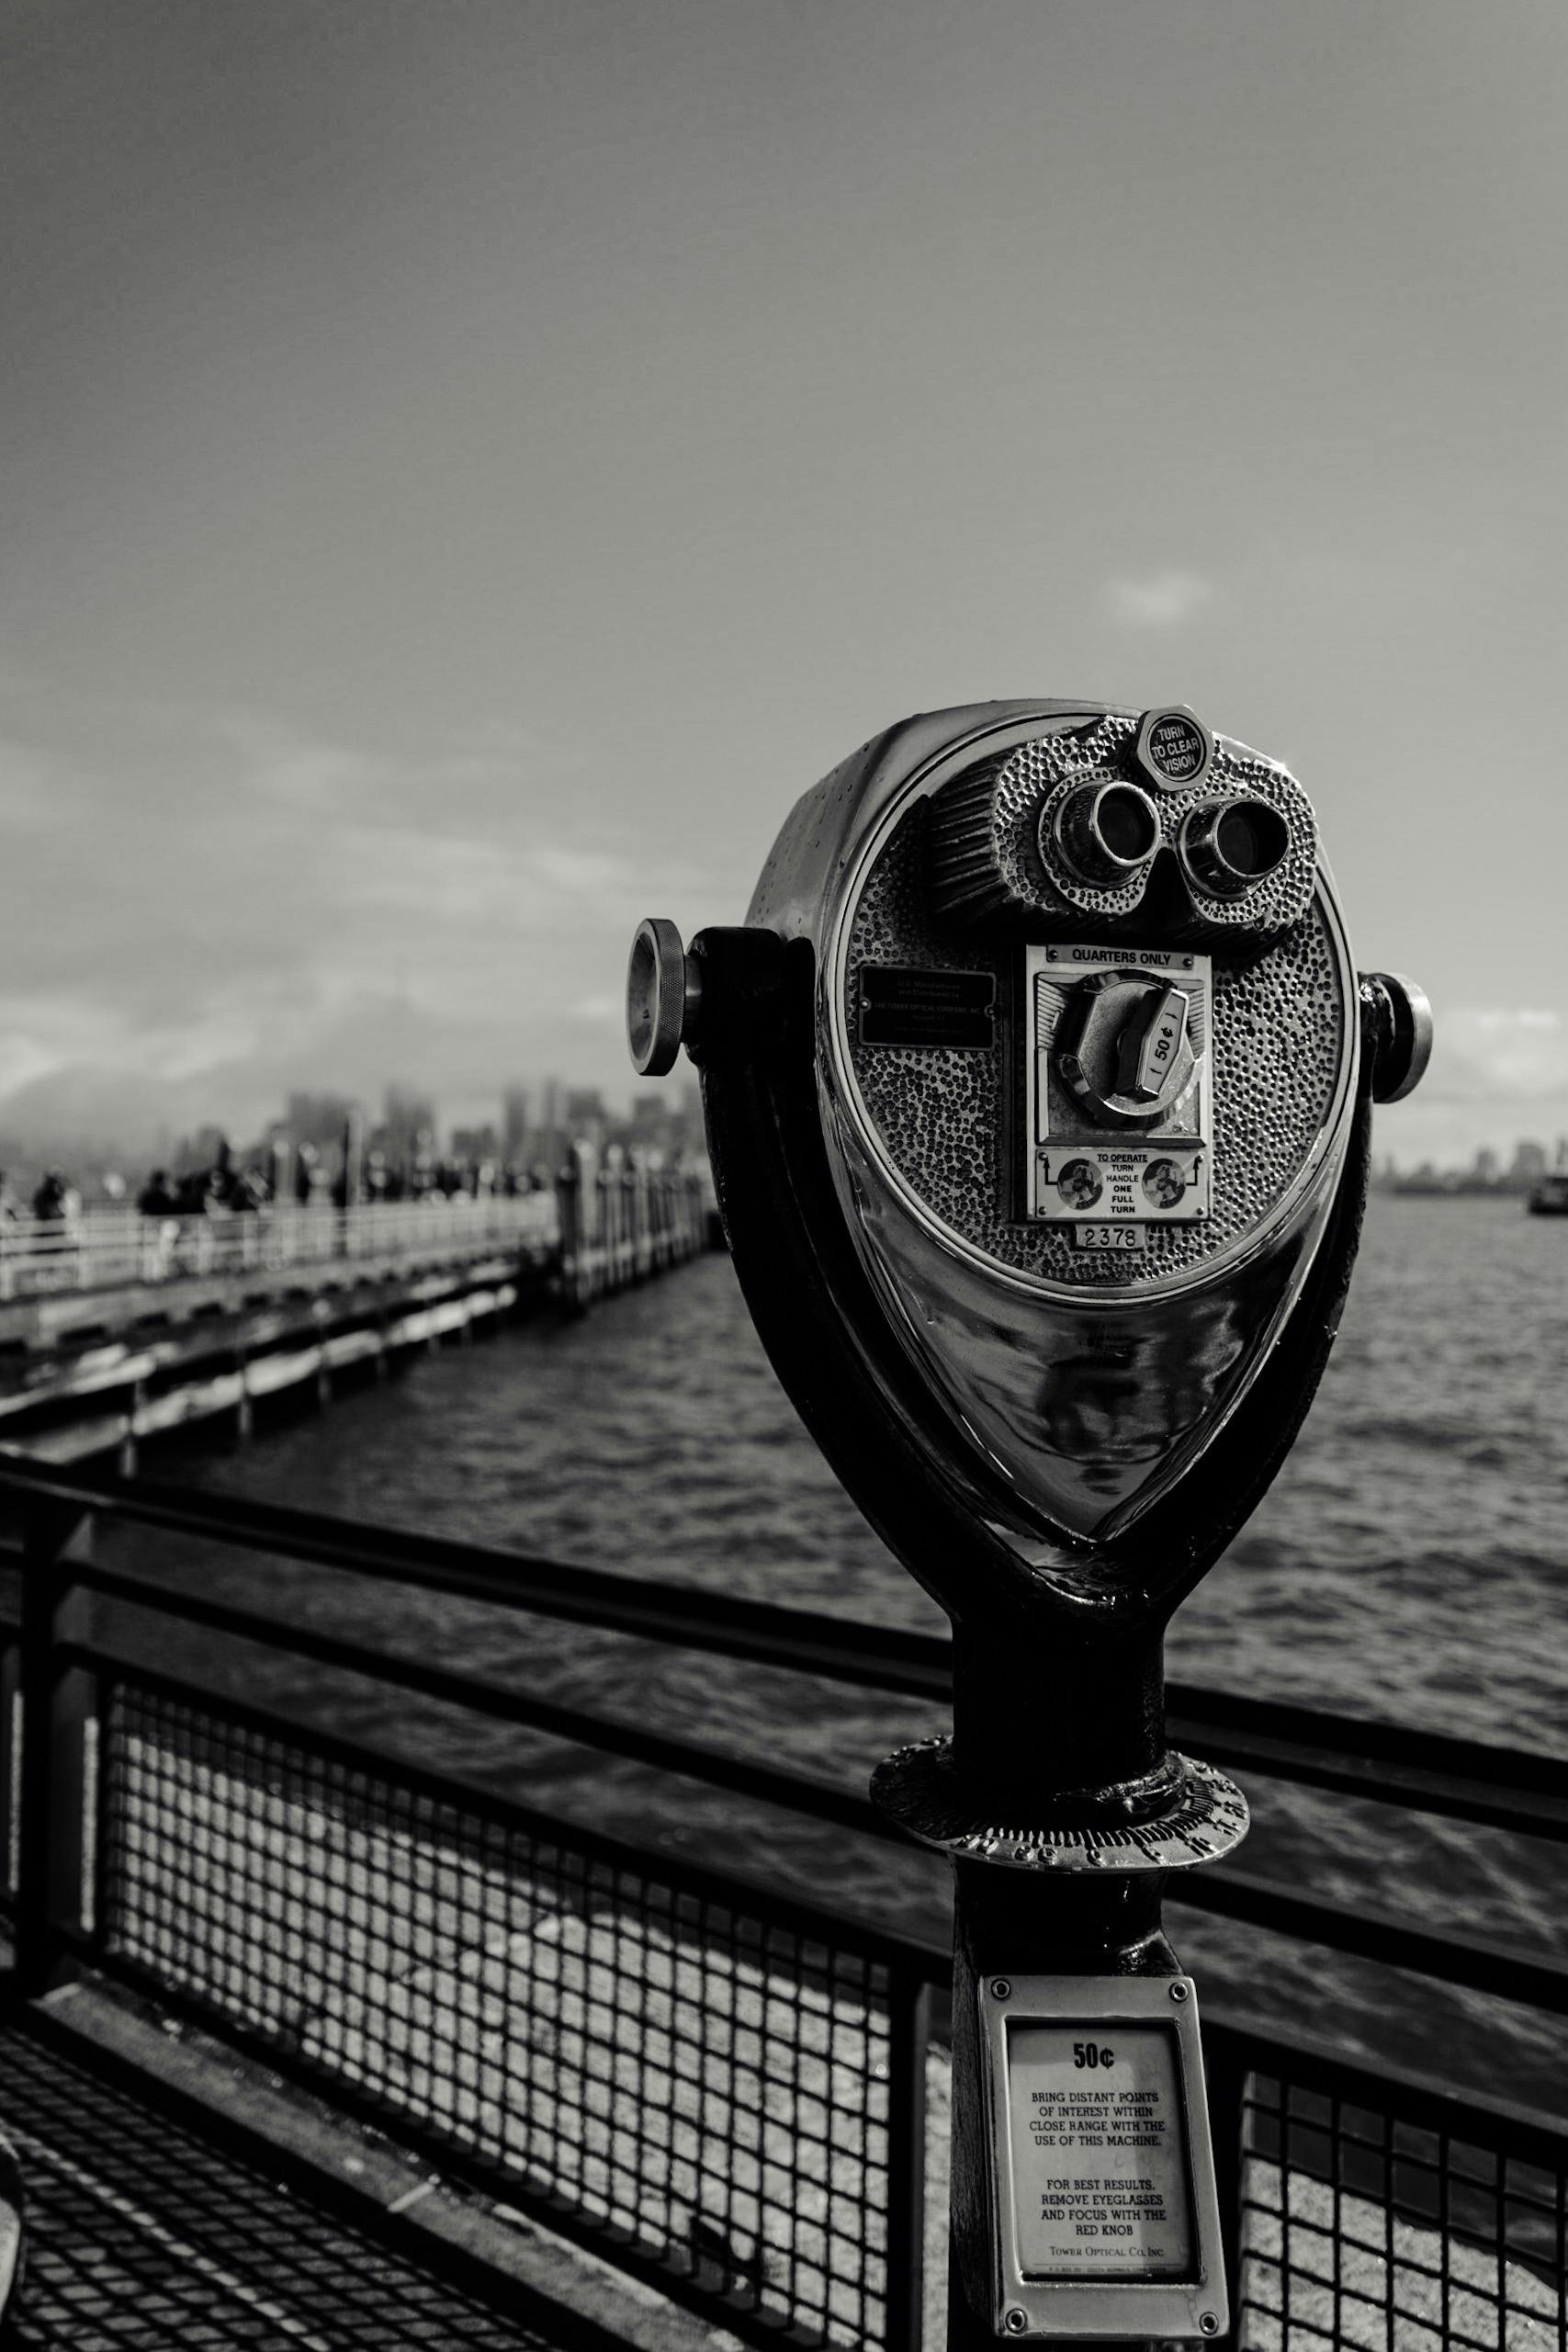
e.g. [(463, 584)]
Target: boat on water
[(1547, 1195)]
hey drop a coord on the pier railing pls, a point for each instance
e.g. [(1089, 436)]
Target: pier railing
[(600, 1214), (723, 2083), (100, 1248)]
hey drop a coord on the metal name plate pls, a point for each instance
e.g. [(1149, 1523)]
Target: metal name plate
[(1102, 2179), (907, 1005)]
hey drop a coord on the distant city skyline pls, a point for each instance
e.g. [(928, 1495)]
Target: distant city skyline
[(468, 470), (504, 1121), (508, 1124)]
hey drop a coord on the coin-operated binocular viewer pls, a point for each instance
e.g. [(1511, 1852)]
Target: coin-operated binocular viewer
[(1038, 1086)]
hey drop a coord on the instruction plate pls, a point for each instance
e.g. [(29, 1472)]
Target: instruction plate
[(1105, 2219), (1098, 2151)]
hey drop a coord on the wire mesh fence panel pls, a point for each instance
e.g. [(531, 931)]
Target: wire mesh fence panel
[(706, 2084), (1363, 2230)]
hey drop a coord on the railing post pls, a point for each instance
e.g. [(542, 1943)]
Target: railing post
[(909, 2038), (1225, 2073), (10, 1765), (56, 1706)]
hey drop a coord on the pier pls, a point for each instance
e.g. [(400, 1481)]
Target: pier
[(545, 2059), (117, 1327)]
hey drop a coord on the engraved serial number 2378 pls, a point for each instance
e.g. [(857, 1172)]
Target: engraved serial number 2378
[(1110, 1237)]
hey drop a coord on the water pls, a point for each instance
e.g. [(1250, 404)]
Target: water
[(1408, 1564)]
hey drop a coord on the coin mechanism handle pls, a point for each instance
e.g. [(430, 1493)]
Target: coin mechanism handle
[(1151, 1042)]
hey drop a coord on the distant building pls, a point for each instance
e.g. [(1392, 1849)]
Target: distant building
[(651, 1114), (515, 1126), (584, 1117), (691, 1124), (407, 1134), (547, 1143), (476, 1143), (318, 1120), (203, 1150), (652, 1132)]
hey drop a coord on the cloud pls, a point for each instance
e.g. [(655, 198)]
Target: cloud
[(1499, 1073), (1499, 1054), (215, 909), (1161, 600)]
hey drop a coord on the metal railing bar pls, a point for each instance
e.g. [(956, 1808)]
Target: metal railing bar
[(1363, 1933), (1530, 2134), (100, 1249), (1273, 1729), (762, 1900), (760, 1632), (1433, 1772), (1227, 1891), (1489, 1801), (1423, 2102), (1495, 1788), (796, 1791)]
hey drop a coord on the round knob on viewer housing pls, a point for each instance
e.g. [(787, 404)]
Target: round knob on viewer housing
[(663, 997), (1404, 1032)]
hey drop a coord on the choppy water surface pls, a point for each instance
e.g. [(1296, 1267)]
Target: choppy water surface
[(1410, 1561), (1408, 1564)]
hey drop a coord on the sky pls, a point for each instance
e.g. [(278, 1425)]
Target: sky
[(468, 470)]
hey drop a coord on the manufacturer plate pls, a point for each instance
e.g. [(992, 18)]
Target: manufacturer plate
[(908, 1005)]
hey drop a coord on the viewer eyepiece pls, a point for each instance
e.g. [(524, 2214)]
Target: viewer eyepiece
[(1106, 829), (1230, 844)]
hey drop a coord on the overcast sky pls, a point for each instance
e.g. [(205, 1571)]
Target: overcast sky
[(470, 468)]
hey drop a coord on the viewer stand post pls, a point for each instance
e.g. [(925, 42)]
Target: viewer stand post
[(1079, 2125), (1038, 1088)]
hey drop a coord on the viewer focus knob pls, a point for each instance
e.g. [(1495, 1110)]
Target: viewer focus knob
[(1403, 1035), (663, 997)]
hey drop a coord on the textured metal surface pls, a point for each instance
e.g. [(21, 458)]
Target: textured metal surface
[(995, 852), (1279, 1047), (918, 1787)]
